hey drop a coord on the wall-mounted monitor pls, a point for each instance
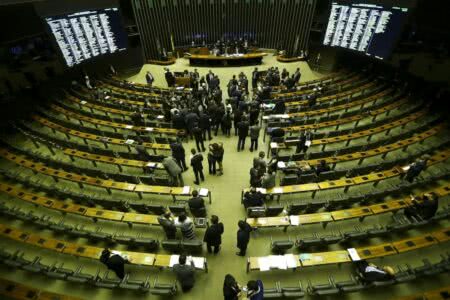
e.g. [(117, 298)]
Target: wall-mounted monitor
[(87, 34), (363, 27)]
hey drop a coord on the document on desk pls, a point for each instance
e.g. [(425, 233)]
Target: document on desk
[(203, 192), (199, 262), (151, 165), (173, 260), (281, 165), (295, 220), (186, 189), (273, 145), (291, 261), (261, 190), (264, 263), (278, 261), (129, 142), (83, 102), (277, 190), (353, 254), (128, 126)]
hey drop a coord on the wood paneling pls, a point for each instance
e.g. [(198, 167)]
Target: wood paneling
[(273, 24)]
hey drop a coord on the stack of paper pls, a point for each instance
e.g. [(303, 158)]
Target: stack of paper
[(278, 261), (199, 262), (151, 165), (261, 190), (291, 260), (160, 117), (186, 189), (353, 254), (173, 260), (149, 128), (264, 263), (273, 145), (203, 192), (295, 220), (281, 165), (129, 141)]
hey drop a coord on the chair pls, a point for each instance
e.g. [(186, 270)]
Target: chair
[(323, 289), (296, 208), (308, 242), (199, 213), (289, 179), (351, 285), (163, 289), (178, 209), (280, 247), (256, 212), (80, 277), (273, 293), (172, 245), (135, 285), (192, 246), (274, 210), (293, 292)]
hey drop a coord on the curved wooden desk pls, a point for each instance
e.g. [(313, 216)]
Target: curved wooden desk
[(101, 139), (284, 59), (346, 183), (244, 59), (291, 261), (324, 218), (80, 117), (18, 291), (109, 185), (91, 252)]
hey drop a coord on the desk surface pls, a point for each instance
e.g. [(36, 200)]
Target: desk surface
[(233, 57)]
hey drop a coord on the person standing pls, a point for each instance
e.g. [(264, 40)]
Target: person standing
[(174, 170), (297, 76), (149, 78), (205, 125), (168, 225), (185, 273), (213, 235), (179, 155), (198, 136), (197, 166), (218, 152), (226, 123), (170, 79), (243, 127), (243, 237), (255, 77), (254, 135), (211, 161), (231, 289)]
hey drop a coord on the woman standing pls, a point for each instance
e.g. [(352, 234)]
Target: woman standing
[(231, 290)]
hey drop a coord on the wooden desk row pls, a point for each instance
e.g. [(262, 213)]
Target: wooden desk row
[(121, 101), (382, 150), (109, 185), (350, 93), (127, 91), (307, 91), (70, 114), (346, 183), (356, 135), (340, 215), (144, 85), (442, 293), (355, 118), (291, 261), (119, 162), (92, 106), (86, 251), (90, 212), (18, 291), (361, 102), (101, 139)]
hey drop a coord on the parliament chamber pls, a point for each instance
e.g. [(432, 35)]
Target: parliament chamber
[(222, 149)]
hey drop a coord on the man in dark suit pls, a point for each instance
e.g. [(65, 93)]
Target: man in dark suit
[(197, 205), (113, 262), (185, 273), (424, 208), (416, 168), (255, 77), (170, 79), (297, 75), (197, 166), (149, 78), (253, 198), (141, 151), (209, 76), (205, 125), (213, 235), (168, 225), (198, 136), (243, 237), (179, 154), (243, 127)]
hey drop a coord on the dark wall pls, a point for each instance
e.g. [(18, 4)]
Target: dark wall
[(277, 24)]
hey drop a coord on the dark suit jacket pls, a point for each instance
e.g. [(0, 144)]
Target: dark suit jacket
[(243, 237), (243, 127), (196, 161), (196, 203), (185, 274), (213, 235)]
